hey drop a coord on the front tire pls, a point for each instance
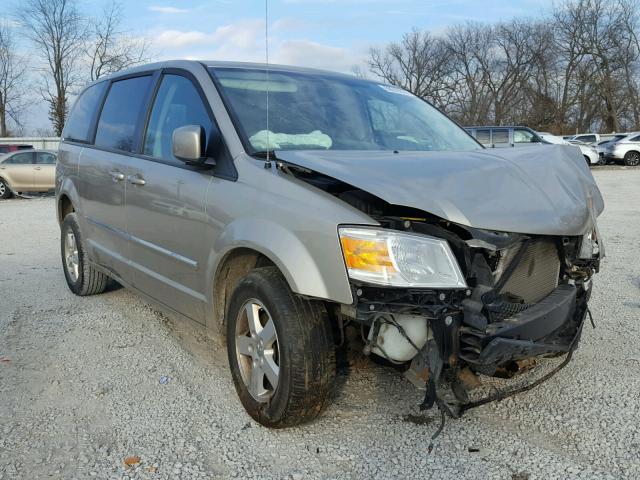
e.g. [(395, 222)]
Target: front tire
[(5, 191), (280, 349), (82, 278), (632, 159)]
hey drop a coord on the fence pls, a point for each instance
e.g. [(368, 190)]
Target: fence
[(48, 143)]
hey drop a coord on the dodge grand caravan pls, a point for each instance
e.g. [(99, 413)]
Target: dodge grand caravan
[(346, 201)]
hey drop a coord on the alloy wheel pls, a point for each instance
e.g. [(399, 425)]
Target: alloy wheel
[(3, 188), (633, 159), (257, 350), (71, 258)]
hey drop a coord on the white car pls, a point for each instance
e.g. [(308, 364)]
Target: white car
[(626, 149), (589, 153)]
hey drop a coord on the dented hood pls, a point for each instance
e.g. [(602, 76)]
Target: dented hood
[(543, 190)]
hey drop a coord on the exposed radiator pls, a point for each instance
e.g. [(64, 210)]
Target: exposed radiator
[(536, 274)]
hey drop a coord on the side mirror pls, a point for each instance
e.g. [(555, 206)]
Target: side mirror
[(188, 143)]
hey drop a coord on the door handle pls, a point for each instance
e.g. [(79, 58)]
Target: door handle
[(117, 176), (136, 180), (38, 168)]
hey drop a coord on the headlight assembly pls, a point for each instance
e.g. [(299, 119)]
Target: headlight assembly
[(398, 259)]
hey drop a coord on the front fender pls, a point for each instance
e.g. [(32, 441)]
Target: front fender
[(311, 261)]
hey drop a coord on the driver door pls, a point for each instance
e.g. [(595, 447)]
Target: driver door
[(165, 211)]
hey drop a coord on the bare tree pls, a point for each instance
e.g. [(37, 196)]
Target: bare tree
[(418, 64), (109, 48), (58, 32), (12, 81)]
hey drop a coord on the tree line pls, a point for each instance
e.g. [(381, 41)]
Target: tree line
[(575, 69), (67, 50)]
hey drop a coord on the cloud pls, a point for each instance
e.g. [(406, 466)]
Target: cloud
[(244, 41), (316, 55), (160, 9)]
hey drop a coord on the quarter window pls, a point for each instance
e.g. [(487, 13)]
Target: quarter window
[(120, 114), (177, 104), (79, 123)]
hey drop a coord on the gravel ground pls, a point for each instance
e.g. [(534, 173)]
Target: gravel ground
[(88, 382)]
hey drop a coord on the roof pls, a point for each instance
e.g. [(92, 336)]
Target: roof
[(224, 64)]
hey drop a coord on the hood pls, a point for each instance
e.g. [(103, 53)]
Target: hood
[(542, 191)]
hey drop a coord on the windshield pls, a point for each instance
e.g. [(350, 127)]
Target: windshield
[(316, 111)]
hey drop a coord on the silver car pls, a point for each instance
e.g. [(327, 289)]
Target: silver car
[(286, 206)]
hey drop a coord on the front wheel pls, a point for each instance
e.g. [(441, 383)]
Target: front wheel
[(5, 191), (82, 278), (632, 159), (281, 350)]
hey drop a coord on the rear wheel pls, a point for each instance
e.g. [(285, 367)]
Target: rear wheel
[(281, 350), (5, 191), (632, 159), (82, 278), (588, 160)]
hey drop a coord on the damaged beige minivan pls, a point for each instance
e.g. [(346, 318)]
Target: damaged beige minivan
[(280, 206)]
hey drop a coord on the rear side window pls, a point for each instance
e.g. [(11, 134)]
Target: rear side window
[(177, 104), (20, 159), (45, 158), (78, 126), (635, 139), (483, 136), (120, 114), (500, 135)]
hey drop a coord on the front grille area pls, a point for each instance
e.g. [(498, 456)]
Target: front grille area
[(536, 274)]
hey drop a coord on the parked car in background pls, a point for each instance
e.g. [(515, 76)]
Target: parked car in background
[(602, 146), (357, 203), (504, 136), (27, 171), (13, 147), (587, 138), (625, 150), (588, 152)]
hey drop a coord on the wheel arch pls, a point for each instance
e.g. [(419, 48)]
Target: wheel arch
[(65, 207), (249, 243)]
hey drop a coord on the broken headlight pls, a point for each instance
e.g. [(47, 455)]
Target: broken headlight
[(589, 247), (397, 259)]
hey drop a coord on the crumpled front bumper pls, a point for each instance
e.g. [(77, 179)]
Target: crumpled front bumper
[(550, 327)]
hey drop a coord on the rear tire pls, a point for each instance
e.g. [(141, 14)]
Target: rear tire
[(289, 332), (5, 191), (632, 159), (82, 278), (588, 160)]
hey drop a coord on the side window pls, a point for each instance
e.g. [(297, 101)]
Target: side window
[(20, 159), (79, 123), (483, 136), (119, 117), (523, 136), (635, 139), (45, 158), (587, 138), (500, 136), (177, 104)]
